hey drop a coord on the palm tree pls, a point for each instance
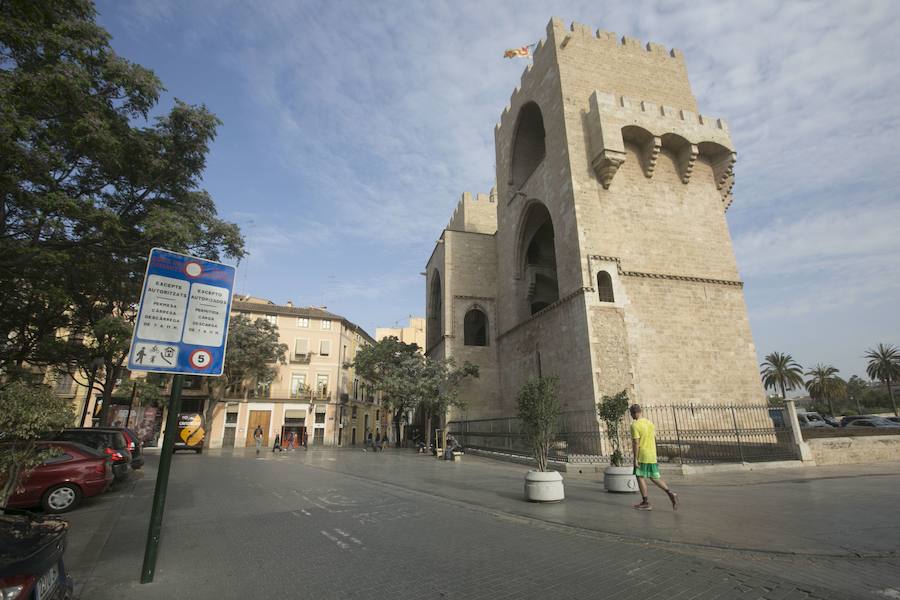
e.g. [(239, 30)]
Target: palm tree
[(884, 365), (781, 371), (824, 384)]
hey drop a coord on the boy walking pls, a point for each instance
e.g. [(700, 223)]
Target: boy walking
[(643, 447)]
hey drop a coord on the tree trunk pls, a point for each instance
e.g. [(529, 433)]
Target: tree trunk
[(428, 429), (830, 405), (397, 419), (891, 394), (783, 397)]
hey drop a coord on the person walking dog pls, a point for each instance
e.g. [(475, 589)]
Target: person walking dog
[(643, 449)]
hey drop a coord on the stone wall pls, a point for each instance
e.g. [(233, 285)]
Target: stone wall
[(855, 450)]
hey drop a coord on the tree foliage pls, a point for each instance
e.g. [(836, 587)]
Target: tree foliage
[(781, 372), (88, 185), (538, 409), (437, 383), (884, 366), (26, 412), (824, 384), (611, 410)]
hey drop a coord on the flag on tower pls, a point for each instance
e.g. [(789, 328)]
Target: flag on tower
[(524, 51)]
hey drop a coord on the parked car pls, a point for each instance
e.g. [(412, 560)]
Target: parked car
[(873, 422), (893, 419), (849, 419), (111, 443), (31, 559), (831, 421), (132, 442), (811, 419), (59, 484)]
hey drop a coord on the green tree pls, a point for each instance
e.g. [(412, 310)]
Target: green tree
[(781, 372), (611, 410), (88, 184), (884, 366), (538, 409), (26, 412), (824, 385), (251, 360), (857, 393), (437, 383), (390, 366)]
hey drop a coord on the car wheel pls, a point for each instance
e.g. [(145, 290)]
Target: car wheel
[(61, 498), (199, 451)]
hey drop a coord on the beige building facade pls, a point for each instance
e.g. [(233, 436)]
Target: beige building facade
[(603, 255), (414, 333), (316, 394)]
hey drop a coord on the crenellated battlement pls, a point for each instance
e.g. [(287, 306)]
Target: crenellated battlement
[(556, 31), (562, 40), (475, 213)]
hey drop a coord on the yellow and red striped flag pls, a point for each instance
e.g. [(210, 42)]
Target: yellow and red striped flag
[(524, 51)]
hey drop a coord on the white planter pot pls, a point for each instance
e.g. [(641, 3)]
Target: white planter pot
[(544, 486), (619, 479)]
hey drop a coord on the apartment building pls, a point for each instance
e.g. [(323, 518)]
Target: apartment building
[(414, 333), (316, 394)]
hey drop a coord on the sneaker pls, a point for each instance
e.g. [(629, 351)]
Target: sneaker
[(674, 498), (643, 506)]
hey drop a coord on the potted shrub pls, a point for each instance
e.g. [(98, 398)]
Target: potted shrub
[(617, 477), (539, 409)]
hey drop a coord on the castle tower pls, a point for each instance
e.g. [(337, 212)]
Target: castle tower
[(613, 260)]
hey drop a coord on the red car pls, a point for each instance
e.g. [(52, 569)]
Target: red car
[(59, 484)]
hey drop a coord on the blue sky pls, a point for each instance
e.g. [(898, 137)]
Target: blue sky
[(351, 128)]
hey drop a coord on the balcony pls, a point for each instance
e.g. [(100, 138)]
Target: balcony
[(301, 359)]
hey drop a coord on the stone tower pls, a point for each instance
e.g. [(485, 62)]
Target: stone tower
[(611, 264)]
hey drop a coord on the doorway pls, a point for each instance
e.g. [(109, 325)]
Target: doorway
[(261, 418), (228, 437)]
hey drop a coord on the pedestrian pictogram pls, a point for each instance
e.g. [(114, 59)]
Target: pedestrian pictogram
[(150, 355), (200, 359)]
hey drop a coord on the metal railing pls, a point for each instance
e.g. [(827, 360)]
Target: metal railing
[(690, 433)]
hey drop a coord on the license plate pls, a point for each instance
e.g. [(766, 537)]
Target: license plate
[(47, 583)]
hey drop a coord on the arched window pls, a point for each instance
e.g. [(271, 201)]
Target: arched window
[(604, 287), (475, 326), (528, 147), (538, 253), (434, 328)]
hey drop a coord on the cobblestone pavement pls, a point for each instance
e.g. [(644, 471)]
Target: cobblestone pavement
[(346, 524)]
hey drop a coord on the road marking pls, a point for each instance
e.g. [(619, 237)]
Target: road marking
[(341, 545), (350, 537), (306, 512), (277, 495)]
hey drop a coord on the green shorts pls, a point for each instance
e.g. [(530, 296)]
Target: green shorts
[(650, 470)]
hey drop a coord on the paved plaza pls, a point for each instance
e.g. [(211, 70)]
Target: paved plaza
[(353, 524)]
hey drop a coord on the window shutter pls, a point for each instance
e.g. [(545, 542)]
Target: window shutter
[(301, 347), (325, 347)]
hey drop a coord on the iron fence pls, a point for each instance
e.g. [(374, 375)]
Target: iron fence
[(684, 434)]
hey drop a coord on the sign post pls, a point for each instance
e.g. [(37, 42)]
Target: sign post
[(181, 328)]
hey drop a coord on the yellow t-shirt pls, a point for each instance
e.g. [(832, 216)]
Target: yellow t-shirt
[(643, 431)]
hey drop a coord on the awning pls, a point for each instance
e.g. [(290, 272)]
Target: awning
[(295, 414)]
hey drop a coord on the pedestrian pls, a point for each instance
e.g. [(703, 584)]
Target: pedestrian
[(643, 449), (305, 439), (277, 445), (370, 442), (290, 441), (378, 441), (258, 436)]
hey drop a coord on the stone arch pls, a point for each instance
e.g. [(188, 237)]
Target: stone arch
[(536, 258), (528, 145), (435, 326), (605, 287), (475, 327)]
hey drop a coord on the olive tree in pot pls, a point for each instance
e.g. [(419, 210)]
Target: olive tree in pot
[(616, 477), (539, 409)]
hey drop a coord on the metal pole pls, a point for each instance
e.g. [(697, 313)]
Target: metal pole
[(678, 435), (87, 396), (737, 435), (162, 481)]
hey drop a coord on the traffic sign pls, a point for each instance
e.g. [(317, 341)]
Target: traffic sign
[(182, 323)]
